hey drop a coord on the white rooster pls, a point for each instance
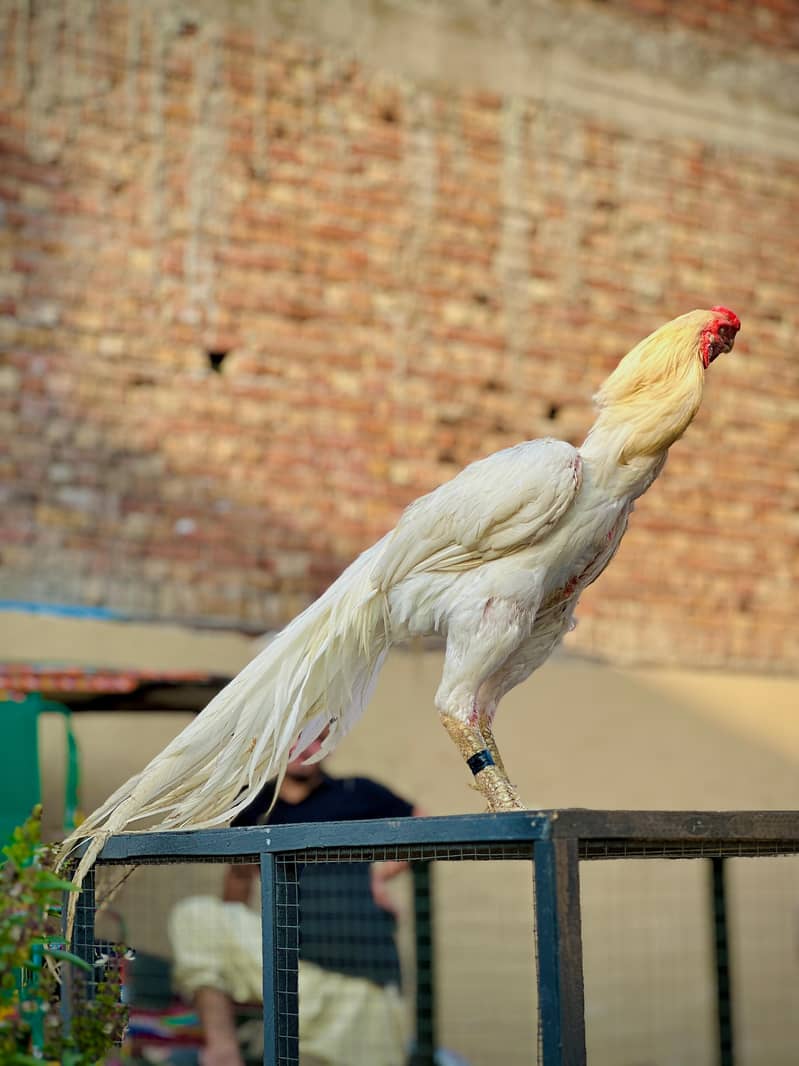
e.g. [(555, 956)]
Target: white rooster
[(494, 561)]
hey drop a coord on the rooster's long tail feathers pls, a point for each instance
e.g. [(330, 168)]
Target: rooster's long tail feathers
[(318, 671)]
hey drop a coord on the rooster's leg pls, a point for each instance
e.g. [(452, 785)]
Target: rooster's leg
[(488, 736), (479, 643), (515, 801), (489, 774)]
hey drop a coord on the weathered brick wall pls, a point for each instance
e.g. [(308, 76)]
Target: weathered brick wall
[(773, 23), (404, 275)]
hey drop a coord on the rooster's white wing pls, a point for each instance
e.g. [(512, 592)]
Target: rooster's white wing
[(496, 506)]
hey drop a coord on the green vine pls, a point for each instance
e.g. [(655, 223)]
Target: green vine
[(33, 960)]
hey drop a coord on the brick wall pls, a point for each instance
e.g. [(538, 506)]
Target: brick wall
[(393, 277), (773, 23)]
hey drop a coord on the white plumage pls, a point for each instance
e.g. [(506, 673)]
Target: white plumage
[(494, 561)]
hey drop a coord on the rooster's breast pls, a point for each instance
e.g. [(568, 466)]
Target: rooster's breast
[(585, 547)]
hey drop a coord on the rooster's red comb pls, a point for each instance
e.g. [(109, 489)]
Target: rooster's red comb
[(731, 316)]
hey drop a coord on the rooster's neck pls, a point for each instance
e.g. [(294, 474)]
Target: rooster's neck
[(616, 470), (617, 480), (630, 439)]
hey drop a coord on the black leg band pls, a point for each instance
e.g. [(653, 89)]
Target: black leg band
[(480, 760)]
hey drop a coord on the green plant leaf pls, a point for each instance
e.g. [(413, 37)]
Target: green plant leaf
[(67, 956), (46, 881)]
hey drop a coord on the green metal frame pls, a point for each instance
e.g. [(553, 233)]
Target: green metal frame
[(21, 789)]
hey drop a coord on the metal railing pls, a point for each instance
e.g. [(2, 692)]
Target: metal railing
[(555, 842)]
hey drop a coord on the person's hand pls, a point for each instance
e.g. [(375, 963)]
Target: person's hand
[(221, 1054), (380, 874)]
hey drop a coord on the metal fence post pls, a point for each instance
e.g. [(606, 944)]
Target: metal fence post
[(424, 1048), (280, 933), (560, 955), (724, 1006)]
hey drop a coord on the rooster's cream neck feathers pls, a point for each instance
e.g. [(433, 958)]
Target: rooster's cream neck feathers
[(650, 399)]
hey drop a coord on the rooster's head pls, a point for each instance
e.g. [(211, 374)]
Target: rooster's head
[(653, 394), (718, 334)]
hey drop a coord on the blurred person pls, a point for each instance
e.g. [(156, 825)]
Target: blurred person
[(350, 1009)]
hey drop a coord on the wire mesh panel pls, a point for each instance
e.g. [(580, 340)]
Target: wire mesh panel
[(83, 943), (184, 939), (763, 916), (357, 1003), (485, 988), (655, 985), (648, 959), (348, 1007), (78, 985), (340, 979)]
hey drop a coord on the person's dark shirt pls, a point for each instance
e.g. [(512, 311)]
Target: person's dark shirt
[(341, 926)]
